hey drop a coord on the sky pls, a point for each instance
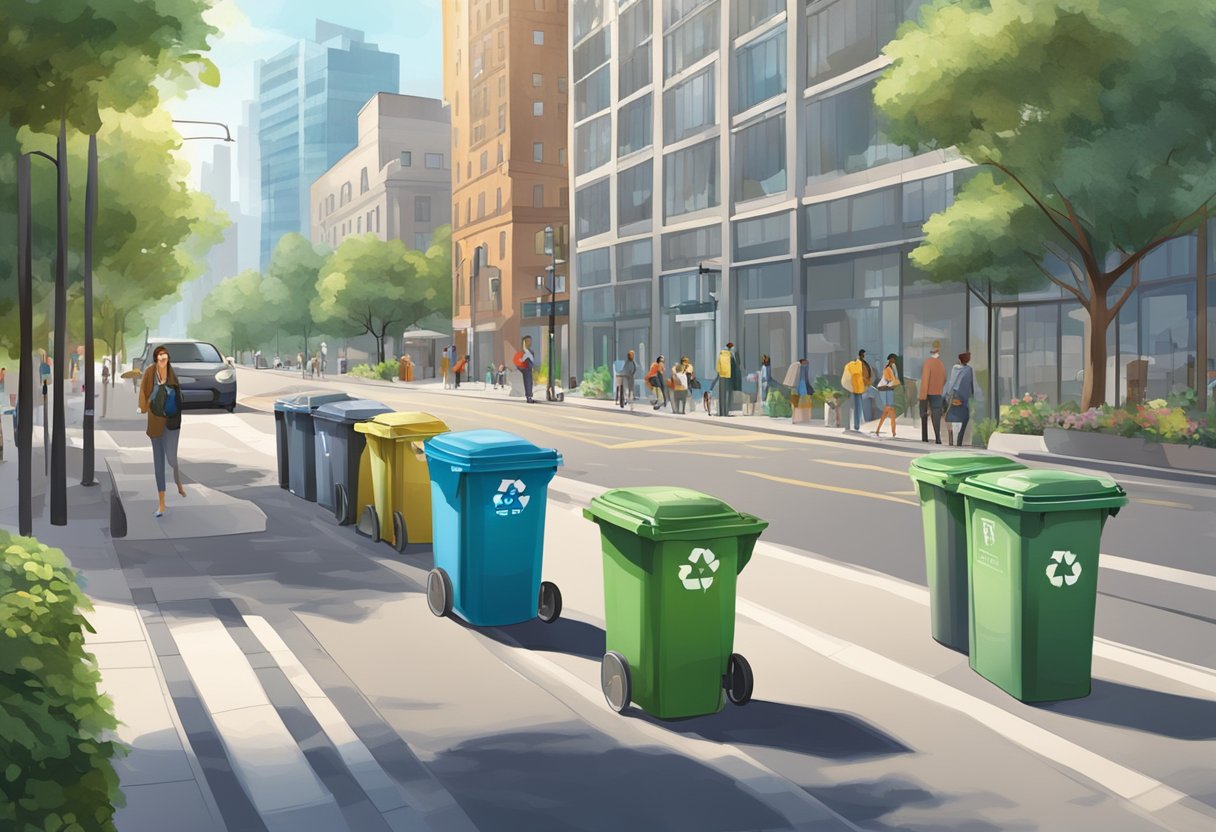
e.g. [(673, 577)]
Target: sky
[(259, 29)]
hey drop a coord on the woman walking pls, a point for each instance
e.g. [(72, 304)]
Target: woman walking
[(886, 393), (657, 379), (679, 385), (959, 390), (625, 375), (160, 396)]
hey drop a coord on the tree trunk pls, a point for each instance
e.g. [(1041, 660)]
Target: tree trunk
[(1093, 392)]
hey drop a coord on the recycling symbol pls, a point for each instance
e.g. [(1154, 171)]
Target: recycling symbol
[(1070, 573), (698, 573), (510, 498)]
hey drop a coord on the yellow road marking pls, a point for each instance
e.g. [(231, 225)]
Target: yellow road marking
[(1162, 503), (903, 493), (833, 488), (684, 452), (863, 466)]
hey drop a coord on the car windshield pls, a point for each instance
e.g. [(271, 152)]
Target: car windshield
[(193, 353)]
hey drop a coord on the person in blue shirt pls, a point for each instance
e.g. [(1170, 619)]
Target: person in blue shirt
[(160, 396)]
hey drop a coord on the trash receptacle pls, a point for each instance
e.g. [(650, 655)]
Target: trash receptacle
[(671, 561), (299, 444), (937, 477), (1033, 540), (489, 491), (343, 470), (398, 509), (280, 441)]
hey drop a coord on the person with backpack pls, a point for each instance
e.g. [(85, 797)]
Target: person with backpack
[(729, 378), (655, 378), (524, 362), (855, 379), (160, 396), (957, 398), (459, 368), (680, 375)]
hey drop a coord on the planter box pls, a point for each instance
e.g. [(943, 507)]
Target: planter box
[(1092, 445), (1016, 443)]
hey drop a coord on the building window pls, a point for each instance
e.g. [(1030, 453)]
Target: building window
[(591, 208), (592, 94), (359, 224), (422, 209), (481, 205), (434, 161), (345, 194), (593, 268), (633, 126), (844, 35), (363, 186), (497, 200), (634, 261), (691, 41), (688, 107), (502, 246), (592, 144), (500, 153), (762, 237), (538, 151), (634, 188), (537, 79), (759, 159), (688, 248), (690, 179), (538, 108), (485, 161), (561, 85), (538, 37), (760, 70), (329, 204), (633, 49), (422, 240), (591, 53), (751, 13), (538, 196), (847, 134)]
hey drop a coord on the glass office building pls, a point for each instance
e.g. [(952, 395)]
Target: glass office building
[(734, 181), (309, 97)]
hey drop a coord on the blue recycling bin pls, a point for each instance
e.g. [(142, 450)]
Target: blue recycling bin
[(297, 444), (339, 452), (489, 490)]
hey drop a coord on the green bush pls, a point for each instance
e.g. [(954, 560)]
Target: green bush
[(385, 371), (597, 384), (984, 429), (57, 772), (778, 404), (827, 391)]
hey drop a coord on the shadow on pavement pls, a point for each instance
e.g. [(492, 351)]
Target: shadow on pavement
[(867, 802), (1167, 714), (779, 725), (586, 781), (565, 635)]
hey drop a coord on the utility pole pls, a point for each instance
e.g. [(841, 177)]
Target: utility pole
[(551, 250), (25, 371), (90, 219)]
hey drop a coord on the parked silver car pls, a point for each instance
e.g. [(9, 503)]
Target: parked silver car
[(205, 379)]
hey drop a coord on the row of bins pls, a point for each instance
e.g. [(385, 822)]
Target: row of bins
[(671, 555)]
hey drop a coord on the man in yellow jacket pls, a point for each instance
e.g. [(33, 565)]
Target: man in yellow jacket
[(932, 381), (856, 378)]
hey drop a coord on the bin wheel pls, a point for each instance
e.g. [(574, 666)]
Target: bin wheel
[(439, 592), (615, 681), (341, 505), (738, 680), (369, 524), (400, 538), (230, 408), (549, 605)]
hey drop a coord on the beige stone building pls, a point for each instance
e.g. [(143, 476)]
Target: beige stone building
[(505, 83), (396, 183)]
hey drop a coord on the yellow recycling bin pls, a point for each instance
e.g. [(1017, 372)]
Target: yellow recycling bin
[(400, 482)]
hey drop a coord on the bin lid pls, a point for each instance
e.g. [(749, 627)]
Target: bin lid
[(1044, 489), (948, 469), (351, 410), (489, 450), (410, 424), (671, 513), (308, 401)]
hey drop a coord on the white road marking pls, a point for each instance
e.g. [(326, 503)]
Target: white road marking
[(1160, 573)]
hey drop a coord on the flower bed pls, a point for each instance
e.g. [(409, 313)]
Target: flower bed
[(1172, 421)]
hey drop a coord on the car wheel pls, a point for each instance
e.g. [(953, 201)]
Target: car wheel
[(439, 592)]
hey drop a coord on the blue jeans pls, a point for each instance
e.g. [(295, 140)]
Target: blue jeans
[(857, 398), (165, 447)]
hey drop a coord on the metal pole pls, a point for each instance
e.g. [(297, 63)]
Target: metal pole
[(25, 367), (59, 483), (472, 345), (46, 445), (90, 219), (1201, 317)]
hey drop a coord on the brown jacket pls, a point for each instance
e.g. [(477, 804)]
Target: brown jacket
[(932, 378), (156, 424)]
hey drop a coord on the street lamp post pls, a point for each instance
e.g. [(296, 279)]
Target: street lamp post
[(474, 273), (551, 249)]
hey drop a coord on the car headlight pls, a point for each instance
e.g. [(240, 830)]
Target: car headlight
[(226, 374)]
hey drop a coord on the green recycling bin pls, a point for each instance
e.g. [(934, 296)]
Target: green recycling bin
[(937, 478), (1033, 541), (671, 560)]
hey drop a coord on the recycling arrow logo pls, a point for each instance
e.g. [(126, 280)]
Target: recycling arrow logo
[(1063, 569), (510, 498), (698, 573)]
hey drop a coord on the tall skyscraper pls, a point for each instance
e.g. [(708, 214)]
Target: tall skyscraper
[(505, 72), (249, 193), (309, 98)]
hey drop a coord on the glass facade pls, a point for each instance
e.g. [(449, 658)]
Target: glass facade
[(845, 34), (634, 190), (845, 134), (759, 159), (690, 106), (634, 41), (592, 144), (760, 70), (691, 40), (591, 209), (634, 123), (690, 178)]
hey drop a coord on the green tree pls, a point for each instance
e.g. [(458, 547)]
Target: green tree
[(234, 314), (1095, 121), (290, 288), (376, 287)]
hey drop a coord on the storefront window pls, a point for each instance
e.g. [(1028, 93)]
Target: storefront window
[(931, 312), (1038, 350), (981, 347), (852, 303), (1073, 319), (1167, 338)]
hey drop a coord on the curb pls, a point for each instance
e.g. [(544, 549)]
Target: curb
[(1128, 468)]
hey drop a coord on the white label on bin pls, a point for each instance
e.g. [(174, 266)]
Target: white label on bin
[(989, 531), (510, 498), (1063, 569), (698, 573)]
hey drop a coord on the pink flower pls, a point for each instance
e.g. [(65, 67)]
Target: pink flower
[(1042, 397), (1025, 414)]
